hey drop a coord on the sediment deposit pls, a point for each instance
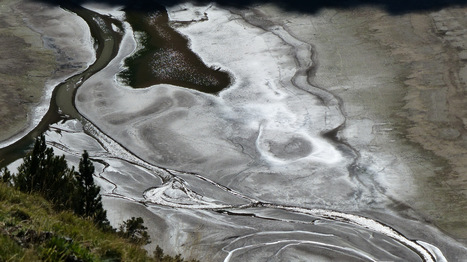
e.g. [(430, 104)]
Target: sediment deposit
[(340, 136)]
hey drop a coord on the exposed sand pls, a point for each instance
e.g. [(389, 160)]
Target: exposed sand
[(427, 124), (24, 68), (40, 46), (401, 81), (402, 84), (362, 56)]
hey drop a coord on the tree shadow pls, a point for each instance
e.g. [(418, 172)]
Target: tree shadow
[(394, 7)]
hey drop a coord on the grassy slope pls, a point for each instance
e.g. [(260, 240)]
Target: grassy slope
[(30, 230)]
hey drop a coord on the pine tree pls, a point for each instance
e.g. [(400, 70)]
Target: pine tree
[(6, 176), (30, 172), (47, 174), (88, 202), (135, 230)]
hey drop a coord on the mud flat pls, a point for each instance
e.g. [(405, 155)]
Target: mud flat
[(41, 46), (401, 80), (313, 120), (24, 69), (319, 148)]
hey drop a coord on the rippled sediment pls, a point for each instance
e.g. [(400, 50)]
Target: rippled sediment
[(176, 193), (251, 163)]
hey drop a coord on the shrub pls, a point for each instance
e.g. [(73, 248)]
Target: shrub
[(5, 176), (135, 231), (62, 249)]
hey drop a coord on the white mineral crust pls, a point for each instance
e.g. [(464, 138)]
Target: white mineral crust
[(266, 127)]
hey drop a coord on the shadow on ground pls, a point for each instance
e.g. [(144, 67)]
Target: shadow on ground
[(394, 7)]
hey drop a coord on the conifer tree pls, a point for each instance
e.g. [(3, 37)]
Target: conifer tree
[(135, 230), (6, 176), (47, 174), (88, 201), (30, 172)]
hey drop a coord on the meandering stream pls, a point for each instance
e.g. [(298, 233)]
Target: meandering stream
[(62, 102)]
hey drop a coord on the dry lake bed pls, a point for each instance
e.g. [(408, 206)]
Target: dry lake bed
[(254, 132)]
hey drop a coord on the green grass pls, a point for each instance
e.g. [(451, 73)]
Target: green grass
[(31, 230)]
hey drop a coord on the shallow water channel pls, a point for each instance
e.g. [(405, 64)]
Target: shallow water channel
[(62, 102)]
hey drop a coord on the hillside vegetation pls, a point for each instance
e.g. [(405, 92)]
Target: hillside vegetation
[(47, 223)]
